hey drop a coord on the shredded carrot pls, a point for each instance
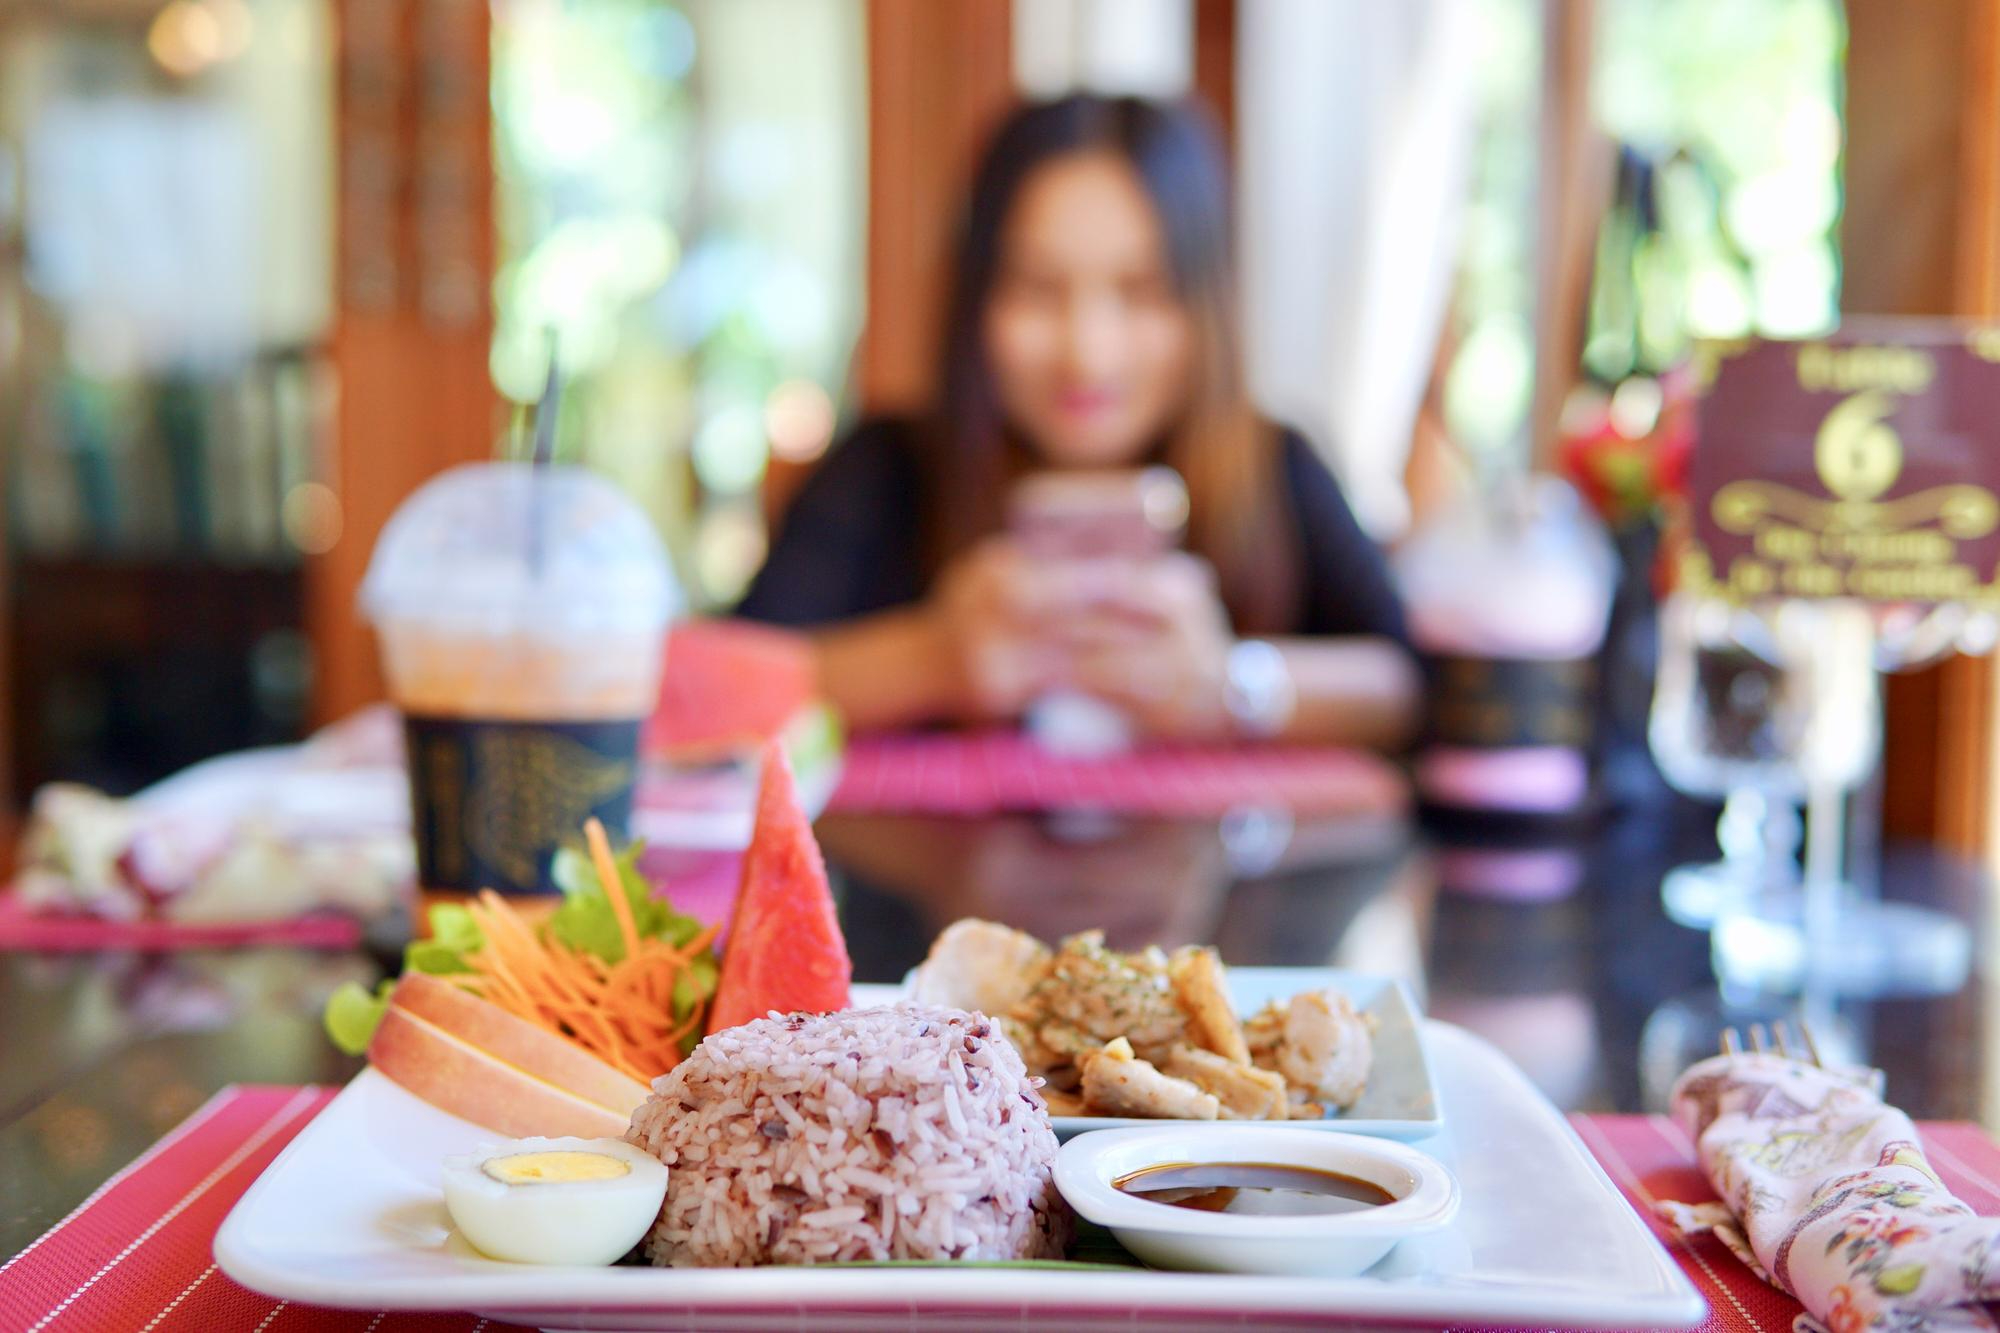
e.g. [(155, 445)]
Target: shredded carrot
[(620, 1012), (614, 887)]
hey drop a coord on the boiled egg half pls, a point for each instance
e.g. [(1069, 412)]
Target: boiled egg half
[(555, 1201)]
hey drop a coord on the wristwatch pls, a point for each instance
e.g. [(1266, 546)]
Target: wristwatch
[(1259, 693)]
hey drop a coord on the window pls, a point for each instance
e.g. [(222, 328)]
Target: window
[(680, 202)]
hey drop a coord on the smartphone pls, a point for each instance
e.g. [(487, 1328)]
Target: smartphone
[(1087, 515)]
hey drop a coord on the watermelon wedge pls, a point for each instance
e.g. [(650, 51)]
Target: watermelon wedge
[(728, 686), (785, 950)]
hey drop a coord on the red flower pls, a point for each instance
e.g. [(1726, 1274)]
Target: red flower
[(1628, 478)]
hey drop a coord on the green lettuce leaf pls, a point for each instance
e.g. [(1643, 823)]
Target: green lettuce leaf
[(454, 934), (586, 920), (690, 988), (353, 1012)]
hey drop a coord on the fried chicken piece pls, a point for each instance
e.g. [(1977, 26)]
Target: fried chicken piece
[(1243, 1091), (1322, 1046), (1326, 1047), (1116, 1082), (1064, 1103), (1038, 1058), (1091, 995), (1262, 1032), (1064, 1042), (1198, 985), (981, 966)]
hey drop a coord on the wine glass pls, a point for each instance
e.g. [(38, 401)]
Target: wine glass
[(1833, 931), (1726, 723)]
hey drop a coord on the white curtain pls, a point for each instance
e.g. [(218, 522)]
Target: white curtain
[(1355, 124)]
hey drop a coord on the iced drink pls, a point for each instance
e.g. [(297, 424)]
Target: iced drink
[(521, 614), (1508, 594)]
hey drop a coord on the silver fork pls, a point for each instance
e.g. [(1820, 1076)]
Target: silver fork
[(1762, 1042)]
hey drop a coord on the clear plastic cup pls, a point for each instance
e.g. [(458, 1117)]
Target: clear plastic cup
[(522, 617), (1507, 595)]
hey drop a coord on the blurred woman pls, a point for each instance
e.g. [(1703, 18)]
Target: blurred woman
[(1092, 326)]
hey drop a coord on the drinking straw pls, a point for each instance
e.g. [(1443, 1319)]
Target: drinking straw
[(516, 447), (545, 447), (547, 408)]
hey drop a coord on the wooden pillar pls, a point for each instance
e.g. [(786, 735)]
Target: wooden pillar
[(939, 75), (1921, 236), (1215, 62), (1574, 186), (413, 272)]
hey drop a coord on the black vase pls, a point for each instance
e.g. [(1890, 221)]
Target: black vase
[(1626, 773)]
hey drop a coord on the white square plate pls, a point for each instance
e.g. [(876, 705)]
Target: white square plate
[(351, 1215)]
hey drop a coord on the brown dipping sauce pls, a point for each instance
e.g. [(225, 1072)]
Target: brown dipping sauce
[(1253, 1188)]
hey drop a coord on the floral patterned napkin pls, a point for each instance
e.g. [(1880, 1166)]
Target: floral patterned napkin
[(1826, 1194)]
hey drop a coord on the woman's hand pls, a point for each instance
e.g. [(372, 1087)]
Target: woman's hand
[(1155, 643), (1148, 636), (994, 609)]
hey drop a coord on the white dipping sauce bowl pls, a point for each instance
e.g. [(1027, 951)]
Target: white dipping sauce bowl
[(1424, 1194)]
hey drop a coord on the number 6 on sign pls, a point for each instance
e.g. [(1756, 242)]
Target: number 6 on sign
[(1856, 452)]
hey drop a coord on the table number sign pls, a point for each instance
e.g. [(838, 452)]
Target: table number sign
[(1863, 465)]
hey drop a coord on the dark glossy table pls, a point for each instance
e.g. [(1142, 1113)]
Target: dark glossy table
[(1592, 990)]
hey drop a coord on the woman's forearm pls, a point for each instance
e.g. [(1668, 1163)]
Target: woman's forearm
[(892, 669), (898, 669), (1352, 691)]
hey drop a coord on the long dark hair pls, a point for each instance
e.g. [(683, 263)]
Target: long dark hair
[(1238, 519)]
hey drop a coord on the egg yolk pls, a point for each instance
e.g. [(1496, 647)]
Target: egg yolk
[(547, 1168)]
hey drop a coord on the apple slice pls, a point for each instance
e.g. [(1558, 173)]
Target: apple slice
[(515, 1041), (476, 1085)]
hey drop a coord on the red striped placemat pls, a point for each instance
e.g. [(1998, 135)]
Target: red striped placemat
[(23, 928), (977, 773), (135, 1254)]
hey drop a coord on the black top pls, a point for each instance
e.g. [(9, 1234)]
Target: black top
[(850, 543)]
